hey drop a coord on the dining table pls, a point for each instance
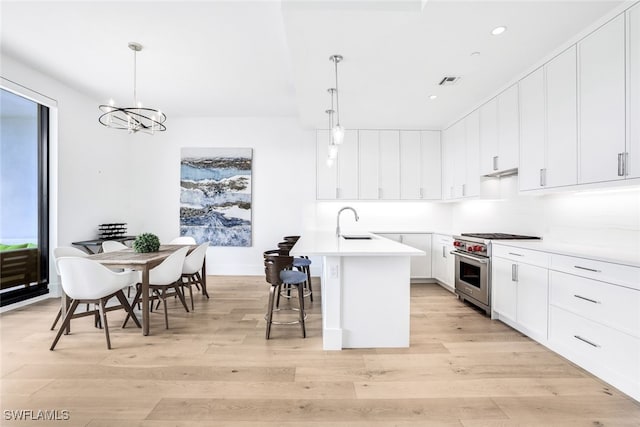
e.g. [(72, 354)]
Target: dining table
[(144, 262)]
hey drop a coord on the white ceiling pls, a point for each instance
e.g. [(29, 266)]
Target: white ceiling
[(271, 58)]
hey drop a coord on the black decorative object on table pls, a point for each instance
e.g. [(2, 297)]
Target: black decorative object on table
[(112, 230)]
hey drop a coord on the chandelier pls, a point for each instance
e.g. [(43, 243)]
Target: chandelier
[(333, 148), (133, 119)]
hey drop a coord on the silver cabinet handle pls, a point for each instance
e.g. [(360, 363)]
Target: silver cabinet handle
[(464, 190), (401, 238), (514, 272), (620, 164), (515, 254), (451, 191), (337, 193), (543, 177), (587, 299), (495, 163), (625, 163), (379, 193), (586, 341), (444, 251), (421, 193), (587, 269)]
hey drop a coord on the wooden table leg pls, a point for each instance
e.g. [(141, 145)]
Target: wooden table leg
[(145, 301)]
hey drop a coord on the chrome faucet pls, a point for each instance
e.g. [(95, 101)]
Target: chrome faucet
[(338, 218)]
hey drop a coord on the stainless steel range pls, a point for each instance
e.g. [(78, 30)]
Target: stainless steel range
[(473, 266)]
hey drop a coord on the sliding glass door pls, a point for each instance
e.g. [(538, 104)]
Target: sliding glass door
[(24, 204)]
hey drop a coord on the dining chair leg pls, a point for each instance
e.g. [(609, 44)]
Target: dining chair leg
[(191, 296), (55, 322), (300, 288), (136, 300), (177, 286), (125, 303), (103, 316), (202, 282), (65, 323), (164, 302)]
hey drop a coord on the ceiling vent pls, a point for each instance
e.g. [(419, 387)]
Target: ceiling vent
[(449, 81)]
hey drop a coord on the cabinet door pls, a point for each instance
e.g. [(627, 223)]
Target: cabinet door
[(410, 165), (533, 299), (448, 169), (489, 137), (458, 158), (369, 153), (442, 262), (601, 70), (326, 176), (562, 119), (532, 134), (633, 84), (348, 166), (389, 175), (504, 290), (472, 154), (431, 165), (420, 265), (508, 129)]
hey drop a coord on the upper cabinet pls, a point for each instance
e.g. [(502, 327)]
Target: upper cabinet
[(460, 176), (548, 117), (499, 133), (601, 100), (339, 181), (632, 158), (380, 165)]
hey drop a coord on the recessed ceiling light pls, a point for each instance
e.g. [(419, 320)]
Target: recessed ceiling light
[(498, 30), (475, 53), (433, 96)]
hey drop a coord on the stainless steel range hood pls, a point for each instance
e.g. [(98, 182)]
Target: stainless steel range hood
[(500, 174)]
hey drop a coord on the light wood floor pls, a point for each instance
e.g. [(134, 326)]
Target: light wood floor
[(213, 367)]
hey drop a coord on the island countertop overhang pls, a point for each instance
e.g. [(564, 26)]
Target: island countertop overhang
[(326, 243)]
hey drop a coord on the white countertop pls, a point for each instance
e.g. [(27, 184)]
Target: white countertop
[(326, 243), (611, 255)]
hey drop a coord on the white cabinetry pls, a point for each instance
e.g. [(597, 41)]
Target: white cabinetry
[(420, 265), (442, 262), (519, 289), (420, 170), (548, 117), (339, 181), (368, 172), (389, 161), (499, 133), (601, 82), (632, 169), (594, 318), (460, 159)]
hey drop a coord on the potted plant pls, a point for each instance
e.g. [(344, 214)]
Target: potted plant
[(146, 242)]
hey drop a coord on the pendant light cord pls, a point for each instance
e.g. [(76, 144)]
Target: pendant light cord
[(135, 96), (335, 62)]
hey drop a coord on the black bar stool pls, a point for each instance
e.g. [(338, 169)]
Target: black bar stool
[(302, 264), (278, 272)]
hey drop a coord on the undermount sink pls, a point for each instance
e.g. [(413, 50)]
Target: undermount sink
[(357, 237)]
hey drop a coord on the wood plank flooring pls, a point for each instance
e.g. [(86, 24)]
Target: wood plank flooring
[(213, 367)]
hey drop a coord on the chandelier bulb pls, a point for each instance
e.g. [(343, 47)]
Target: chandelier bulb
[(338, 134), (333, 151), (330, 161)]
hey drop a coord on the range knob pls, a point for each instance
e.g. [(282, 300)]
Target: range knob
[(457, 244), (471, 248), (478, 248)]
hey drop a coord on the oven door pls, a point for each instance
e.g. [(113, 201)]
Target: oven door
[(472, 276)]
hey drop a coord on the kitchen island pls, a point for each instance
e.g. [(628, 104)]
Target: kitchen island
[(365, 289)]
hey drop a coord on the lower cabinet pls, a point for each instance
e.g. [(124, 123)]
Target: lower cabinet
[(520, 289), (420, 266), (442, 262)]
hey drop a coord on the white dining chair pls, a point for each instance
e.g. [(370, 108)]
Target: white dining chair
[(88, 281), (165, 276), (183, 240), (112, 246), (65, 251), (191, 270)]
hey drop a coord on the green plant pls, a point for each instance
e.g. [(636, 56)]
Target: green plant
[(146, 242)]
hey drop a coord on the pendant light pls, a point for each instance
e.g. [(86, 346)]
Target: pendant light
[(337, 130), (133, 119)]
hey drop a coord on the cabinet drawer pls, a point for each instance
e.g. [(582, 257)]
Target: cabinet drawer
[(605, 271), (610, 354), (541, 259), (610, 305)]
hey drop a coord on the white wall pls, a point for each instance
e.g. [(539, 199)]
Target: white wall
[(283, 182)]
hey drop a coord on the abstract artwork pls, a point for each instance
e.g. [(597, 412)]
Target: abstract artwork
[(215, 195)]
